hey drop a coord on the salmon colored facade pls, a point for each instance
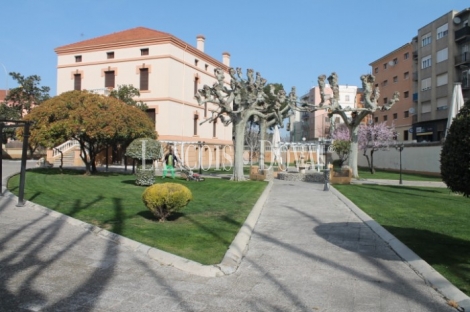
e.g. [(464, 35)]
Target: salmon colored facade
[(393, 72), (316, 125)]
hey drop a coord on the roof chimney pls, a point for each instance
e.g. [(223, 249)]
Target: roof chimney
[(226, 58), (200, 42)]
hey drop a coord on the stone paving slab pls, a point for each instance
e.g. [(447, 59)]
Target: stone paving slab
[(309, 252)]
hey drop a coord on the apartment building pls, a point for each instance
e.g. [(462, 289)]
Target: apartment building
[(166, 70), (316, 125), (393, 72), (441, 55)]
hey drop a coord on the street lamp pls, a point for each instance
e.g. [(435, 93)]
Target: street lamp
[(326, 172), (200, 144), (400, 148)]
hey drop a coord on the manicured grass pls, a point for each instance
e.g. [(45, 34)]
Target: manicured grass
[(202, 231), (364, 173), (431, 221), (246, 171)]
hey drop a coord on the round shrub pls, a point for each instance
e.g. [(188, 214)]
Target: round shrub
[(166, 198)]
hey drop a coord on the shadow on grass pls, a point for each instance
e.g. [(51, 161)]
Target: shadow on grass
[(451, 253), (401, 190), (56, 171), (146, 214), (77, 171)]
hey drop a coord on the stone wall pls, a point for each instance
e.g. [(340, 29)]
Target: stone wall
[(415, 158)]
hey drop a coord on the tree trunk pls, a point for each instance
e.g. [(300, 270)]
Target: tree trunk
[(353, 151), (84, 157), (239, 126), (367, 157), (262, 136), (372, 170)]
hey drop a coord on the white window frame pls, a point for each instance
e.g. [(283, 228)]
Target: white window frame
[(426, 62), (426, 84), (442, 55), (442, 79), (441, 103), (426, 107), (442, 31), (426, 40)]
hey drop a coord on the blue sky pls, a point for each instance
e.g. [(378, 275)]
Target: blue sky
[(288, 42)]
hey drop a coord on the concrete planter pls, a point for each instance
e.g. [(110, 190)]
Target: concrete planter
[(343, 176)]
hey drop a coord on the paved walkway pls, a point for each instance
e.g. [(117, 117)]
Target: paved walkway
[(309, 252), (404, 183)]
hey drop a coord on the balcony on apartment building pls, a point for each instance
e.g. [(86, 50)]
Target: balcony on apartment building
[(462, 33), (462, 59), (415, 76)]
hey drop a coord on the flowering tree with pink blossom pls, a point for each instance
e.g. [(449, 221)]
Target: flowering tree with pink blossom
[(342, 142), (373, 138)]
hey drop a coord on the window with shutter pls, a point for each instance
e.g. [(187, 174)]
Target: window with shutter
[(77, 82), (144, 79), (109, 79)]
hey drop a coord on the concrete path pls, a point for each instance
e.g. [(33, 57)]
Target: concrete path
[(309, 252), (396, 182)]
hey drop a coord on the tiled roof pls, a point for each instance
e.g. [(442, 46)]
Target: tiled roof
[(130, 35)]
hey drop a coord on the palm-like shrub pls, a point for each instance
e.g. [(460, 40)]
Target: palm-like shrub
[(166, 198), (455, 154)]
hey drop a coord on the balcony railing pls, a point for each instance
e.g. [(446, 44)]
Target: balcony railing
[(102, 91), (463, 58), (462, 33)]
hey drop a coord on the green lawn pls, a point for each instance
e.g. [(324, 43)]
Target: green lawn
[(201, 232), (364, 173), (431, 221)]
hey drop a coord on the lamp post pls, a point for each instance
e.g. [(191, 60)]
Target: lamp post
[(326, 172), (24, 154), (400, 148), (200, 144)]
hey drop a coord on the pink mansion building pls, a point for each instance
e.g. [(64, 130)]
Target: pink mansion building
[(166, 70)]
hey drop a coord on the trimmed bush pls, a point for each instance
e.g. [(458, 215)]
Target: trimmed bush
[(145, 177), (166, 198)]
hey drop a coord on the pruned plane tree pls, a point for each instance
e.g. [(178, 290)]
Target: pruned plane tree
[(333, 106), (237, 102)]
